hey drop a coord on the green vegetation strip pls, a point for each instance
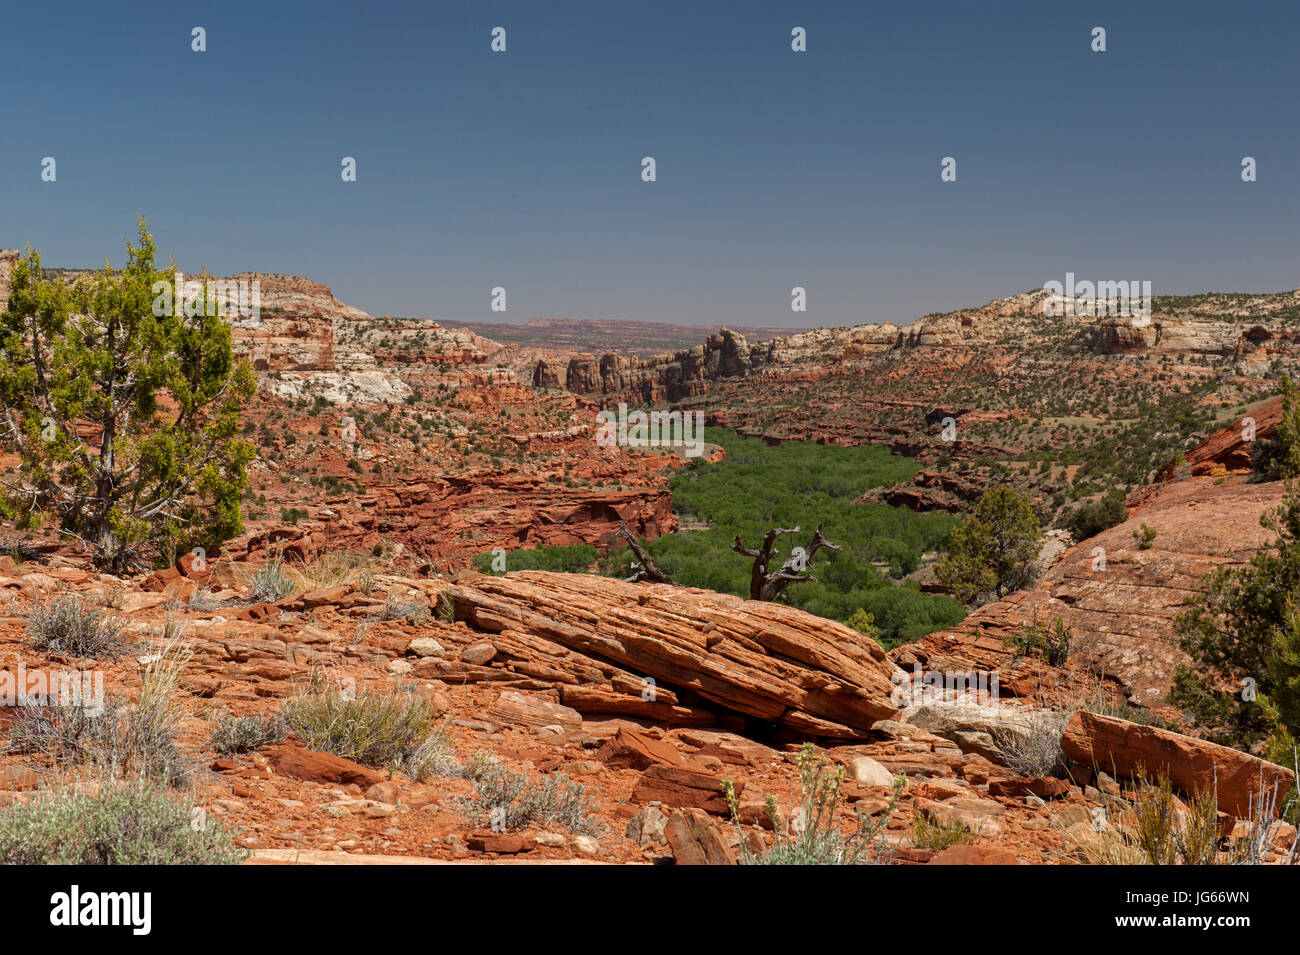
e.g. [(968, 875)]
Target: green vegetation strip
[(795, 484)]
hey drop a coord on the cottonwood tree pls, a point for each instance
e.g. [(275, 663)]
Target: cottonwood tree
[(993, 552), (767, 584), (124, 421)]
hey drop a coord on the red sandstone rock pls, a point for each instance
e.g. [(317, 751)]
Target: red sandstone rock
[(291, 760), (1044, 787), (682, 786), (1121, 748), (527, 710), (501, 843), (695, 840), (627, 747), (760, 659), (974, 855)]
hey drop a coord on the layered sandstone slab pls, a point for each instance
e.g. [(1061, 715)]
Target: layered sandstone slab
[(1126, 749), (760, 660)]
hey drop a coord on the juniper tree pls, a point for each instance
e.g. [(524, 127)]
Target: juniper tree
[(992, 553), (1278, 456), (1242, 637), (124, 421)]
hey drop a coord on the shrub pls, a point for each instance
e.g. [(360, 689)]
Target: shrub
[(1145, 537), (815, 838), (138, 740), (1237, 632), (864, 623), (1278, 456), (203, 600), (1052, 642), (390, 730), (1092, 517), (270, 582), (1160, 832), (1035, 749), (396, 608), (67, 627), (132, 823), (928, 833), (244, 734), (512, 800), (992, 554), (165, 386)]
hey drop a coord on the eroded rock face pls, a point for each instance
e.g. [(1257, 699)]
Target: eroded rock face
[(672, 377)]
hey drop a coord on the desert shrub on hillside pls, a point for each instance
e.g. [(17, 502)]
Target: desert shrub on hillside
[(1092, 517), (504, 799), (393, 730), (130, 823), (1278, 456), (992, 553), (1145, 536), (398, 608), (812, 836), (270, 582), (67, 627), (244, 734), (929, 833), (121, 739), (1035, 749), (162, 387), (1052, 641), (1163, 830)]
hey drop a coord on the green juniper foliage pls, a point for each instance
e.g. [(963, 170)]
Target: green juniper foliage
[(1242, 636), (992, 553), (1092, 517), (124, 421), (1278, 456)]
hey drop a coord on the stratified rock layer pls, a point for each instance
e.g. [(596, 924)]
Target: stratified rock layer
[(761, 660)]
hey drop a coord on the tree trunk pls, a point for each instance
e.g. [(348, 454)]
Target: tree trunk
[(647, 569), (768, 585)]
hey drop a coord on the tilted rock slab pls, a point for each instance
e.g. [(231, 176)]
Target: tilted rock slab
[(1122, 748), (762, 660)]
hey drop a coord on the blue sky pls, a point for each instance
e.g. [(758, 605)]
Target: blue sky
[(775, 168)]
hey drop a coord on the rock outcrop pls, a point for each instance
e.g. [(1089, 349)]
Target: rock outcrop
[(760, 660), (1120, 598), (1128, 750)]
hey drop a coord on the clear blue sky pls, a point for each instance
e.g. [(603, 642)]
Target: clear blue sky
[(775, 169)]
